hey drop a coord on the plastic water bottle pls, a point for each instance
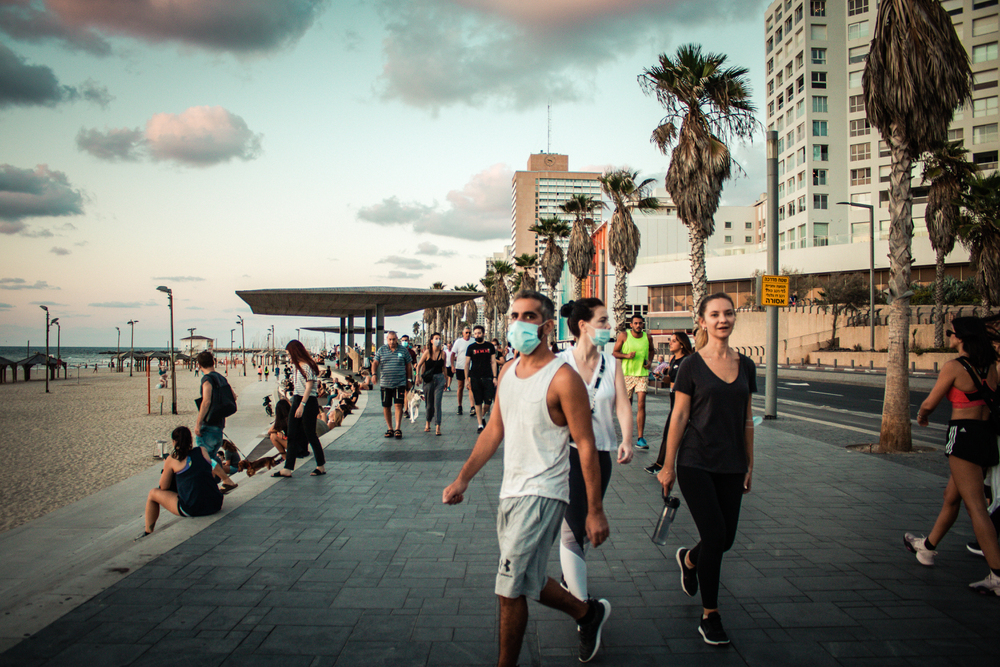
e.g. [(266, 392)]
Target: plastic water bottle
[(670, 505)]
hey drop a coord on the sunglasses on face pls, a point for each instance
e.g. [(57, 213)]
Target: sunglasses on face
[(949, 333)]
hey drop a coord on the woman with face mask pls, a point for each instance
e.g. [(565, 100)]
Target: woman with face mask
[(430, 368), (587, 320)]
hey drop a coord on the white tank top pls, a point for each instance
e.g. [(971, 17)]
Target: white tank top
[(601, 390), (536, 450)]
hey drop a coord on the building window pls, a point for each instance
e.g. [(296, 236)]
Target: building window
[(819, 176), (855, 7), (984, 26), (819, 104), (821, 233), (778, 34), (729, 225), (860, 127), (856, 103), (799, 61), (819, 128), (861, 176), (801, 179), (883, 149), (854, 79), (984, 52), (956, 134), (801, 155), (883, 199), (802, 236), (781, 101), (781, 167), (748, 239), (821, 152), (802, 203), (729, 239), (985, 160), (770, 66), (862, 198), (748, 225), (790, 93), (884, 173), (788, 25), (791, 185), (791, 208), (984, 106), (781, 145), (770, 44), (781, 190), (857, 54), (857, 30), (798, 13), (800, 84), (985, 79), (820, 201), (770, 109), (984, 134), (770, 87), (781, 213), (819, 79), (817, 8), (800, 108), (818, 56), (818, 32), (800, 132), (861, 151)]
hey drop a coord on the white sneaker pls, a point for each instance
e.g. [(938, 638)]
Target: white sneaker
[(988, 586), (915, 544)]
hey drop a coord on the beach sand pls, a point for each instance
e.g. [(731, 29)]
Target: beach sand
[(83, 436)]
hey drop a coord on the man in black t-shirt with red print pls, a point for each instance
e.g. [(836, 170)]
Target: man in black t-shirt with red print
[(481, 370)]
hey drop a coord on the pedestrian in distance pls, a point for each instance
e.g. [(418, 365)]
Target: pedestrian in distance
[(447, 366), (587, 320), (968, 381), (458, 349), (710, 453), (680, 348), (635, 348), (481, 373), (260, 373), (394, 372), (541, 403), (430, 369), (303, 412)]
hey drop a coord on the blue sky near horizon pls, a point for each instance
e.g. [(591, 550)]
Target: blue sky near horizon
[(303, 143)]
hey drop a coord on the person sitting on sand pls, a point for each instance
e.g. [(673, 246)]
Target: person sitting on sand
[(190, 470)]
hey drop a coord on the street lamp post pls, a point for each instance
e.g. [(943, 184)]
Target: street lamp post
[(55, 321), (232, 338), (46, 348), (871, 269), (173, 365), (274, 343), (118, 356), (191, 331), (131, 347), (244, 346)]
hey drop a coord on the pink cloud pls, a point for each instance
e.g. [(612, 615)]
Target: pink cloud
[(558, 14), (201, 136)]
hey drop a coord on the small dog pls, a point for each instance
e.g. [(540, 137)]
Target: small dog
[(416, 398), (266, 462)]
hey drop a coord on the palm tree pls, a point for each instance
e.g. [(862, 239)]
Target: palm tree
[(916, 75), (528, 265), (980, 234), (581, 245), (489, 310), (503, 271), (551, 228), (438, 312), (712, 104), (947, 170), (468, 311), (627, 193)]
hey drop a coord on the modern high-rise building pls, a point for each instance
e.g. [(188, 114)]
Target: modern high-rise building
[(815, 52), (537, 193)]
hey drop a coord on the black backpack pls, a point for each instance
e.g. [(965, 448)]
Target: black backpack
[(989, 396), (223, 400)]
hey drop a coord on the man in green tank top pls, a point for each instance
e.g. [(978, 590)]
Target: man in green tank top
[(635, 348)]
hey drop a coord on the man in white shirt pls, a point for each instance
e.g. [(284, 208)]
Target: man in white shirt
[(458, 362), (447, 366)]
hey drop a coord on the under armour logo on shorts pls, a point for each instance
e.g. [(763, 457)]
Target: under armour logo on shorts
[(505, 565)]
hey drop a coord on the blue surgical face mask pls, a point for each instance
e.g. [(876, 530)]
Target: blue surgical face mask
[(523, 336), (601, 337), (405, 343)]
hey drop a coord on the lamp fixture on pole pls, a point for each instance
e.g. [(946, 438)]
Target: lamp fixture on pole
[(173, 365)]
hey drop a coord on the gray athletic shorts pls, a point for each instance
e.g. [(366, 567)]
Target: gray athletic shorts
[(527, 527)]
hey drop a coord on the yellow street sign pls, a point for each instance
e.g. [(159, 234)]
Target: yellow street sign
[(773, 291)]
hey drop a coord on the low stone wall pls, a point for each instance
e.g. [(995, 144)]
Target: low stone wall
[(928, 361)]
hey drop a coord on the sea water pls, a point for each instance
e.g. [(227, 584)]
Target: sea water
[(74, 356)]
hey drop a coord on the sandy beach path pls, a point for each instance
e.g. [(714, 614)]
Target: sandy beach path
[(85, 435)]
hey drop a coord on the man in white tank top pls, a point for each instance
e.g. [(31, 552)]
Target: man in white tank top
[(540, 402)]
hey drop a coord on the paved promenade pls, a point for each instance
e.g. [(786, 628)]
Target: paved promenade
[(365, 566)]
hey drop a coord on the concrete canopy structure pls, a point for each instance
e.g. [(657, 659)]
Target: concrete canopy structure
[(350, 302)]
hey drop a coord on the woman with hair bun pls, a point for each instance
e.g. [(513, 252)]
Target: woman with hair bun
[(601, 373), (971, 443)]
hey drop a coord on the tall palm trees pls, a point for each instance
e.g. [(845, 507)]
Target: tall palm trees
[(439, 313), (980, 234), (528, 264), (712, 105), (581, 245), (489, 302), (502, 271), (551, 228), (947, 170), (471, 310), (627, 193), (916, 75)]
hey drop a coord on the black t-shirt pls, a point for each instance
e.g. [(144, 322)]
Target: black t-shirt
[(480, 357), (714, 437), (672, 368)]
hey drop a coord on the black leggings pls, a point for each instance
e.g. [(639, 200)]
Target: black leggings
[(714, 502), (303, 430)]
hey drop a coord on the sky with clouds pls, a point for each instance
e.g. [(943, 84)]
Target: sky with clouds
[(215, 146)]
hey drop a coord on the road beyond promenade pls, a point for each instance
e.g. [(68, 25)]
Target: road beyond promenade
[(365, 566)]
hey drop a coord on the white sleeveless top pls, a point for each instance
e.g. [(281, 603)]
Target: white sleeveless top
[(601, 390), (536, 451)]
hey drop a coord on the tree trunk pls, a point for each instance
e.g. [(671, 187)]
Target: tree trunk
[(939, 301), (578, 288), (699, 276), (833, 334), (896, 434), (621, 292)]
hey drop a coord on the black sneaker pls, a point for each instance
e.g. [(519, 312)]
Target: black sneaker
[(689, 577), (974, 548), (472, 413), (653, 469), (711, 630), (479, 429), (590, 633), (460, 409)]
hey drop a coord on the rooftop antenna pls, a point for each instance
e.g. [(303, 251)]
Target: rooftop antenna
[(548, 145)]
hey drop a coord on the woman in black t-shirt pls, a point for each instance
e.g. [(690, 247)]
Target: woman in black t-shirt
[(710, 453), (680, 349)]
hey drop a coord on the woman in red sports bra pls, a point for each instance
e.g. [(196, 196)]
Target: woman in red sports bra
[(971, 445)]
